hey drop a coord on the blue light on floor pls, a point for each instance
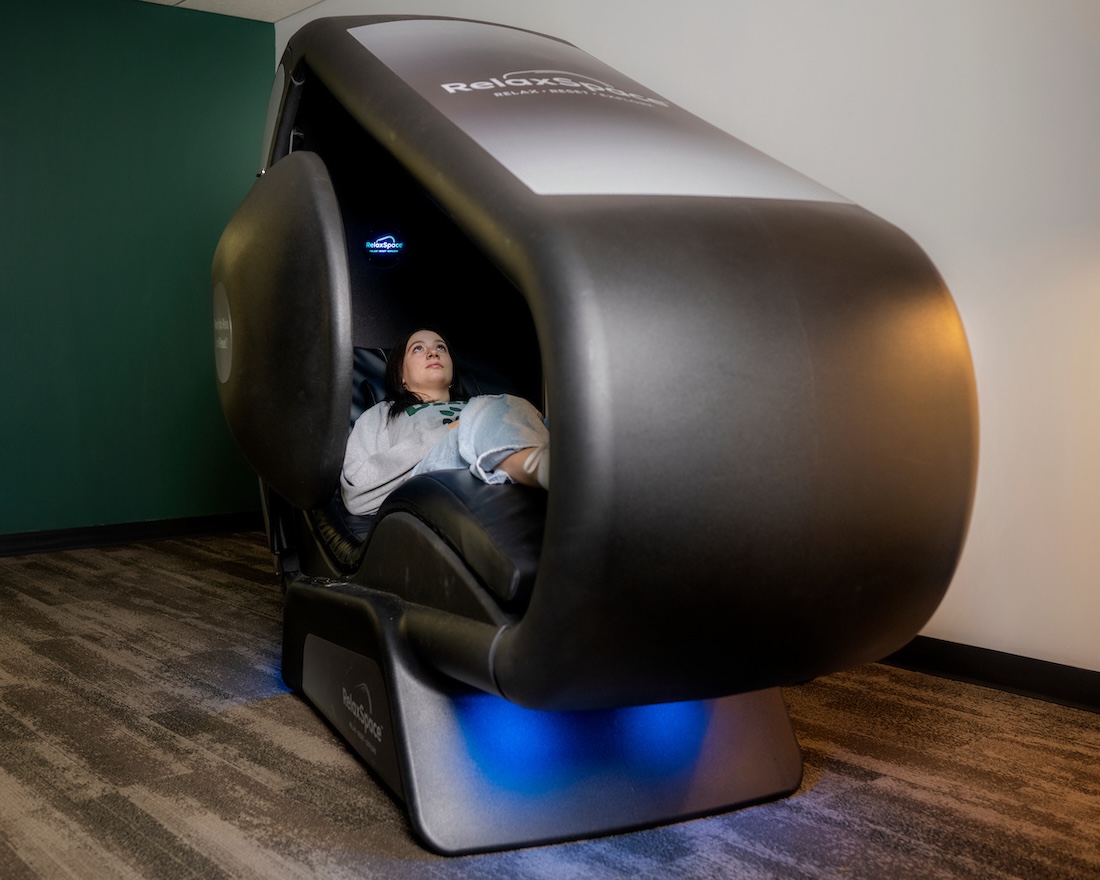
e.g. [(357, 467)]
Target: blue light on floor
[(530, 751)]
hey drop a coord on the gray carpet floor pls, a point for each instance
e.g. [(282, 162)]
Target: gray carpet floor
[(145, 732)]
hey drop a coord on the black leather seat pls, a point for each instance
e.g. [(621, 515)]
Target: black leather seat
[(496, 529)]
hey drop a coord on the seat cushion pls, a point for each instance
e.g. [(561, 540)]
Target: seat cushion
[(368, 380), (496, 529)]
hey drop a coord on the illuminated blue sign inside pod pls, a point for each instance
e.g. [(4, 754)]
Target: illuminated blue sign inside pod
[(531, 751), (385, 245)]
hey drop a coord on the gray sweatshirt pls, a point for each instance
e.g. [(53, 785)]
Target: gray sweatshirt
[(381, 451)]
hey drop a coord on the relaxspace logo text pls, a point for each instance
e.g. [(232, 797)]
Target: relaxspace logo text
[(361, 713), (547, 80)]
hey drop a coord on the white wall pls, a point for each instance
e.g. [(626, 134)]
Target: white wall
[(975, 126)]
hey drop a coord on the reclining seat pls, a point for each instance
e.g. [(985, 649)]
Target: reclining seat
[(762, 414)]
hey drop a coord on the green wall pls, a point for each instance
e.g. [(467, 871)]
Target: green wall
[(129, 132)]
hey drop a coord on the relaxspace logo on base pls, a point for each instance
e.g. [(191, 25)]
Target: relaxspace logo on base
[(367, 730)]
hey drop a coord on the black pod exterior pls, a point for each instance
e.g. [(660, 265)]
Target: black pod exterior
[(762, 405)]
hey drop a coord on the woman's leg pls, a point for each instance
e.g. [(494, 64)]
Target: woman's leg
[(515, 466), (497, 435)]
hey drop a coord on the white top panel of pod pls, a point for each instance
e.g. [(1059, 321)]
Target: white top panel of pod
[(564, 123)]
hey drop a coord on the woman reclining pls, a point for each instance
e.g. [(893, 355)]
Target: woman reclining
[(418, 429)]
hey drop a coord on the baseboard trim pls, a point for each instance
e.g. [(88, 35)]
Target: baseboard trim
[(1053, 682), (23, 543)]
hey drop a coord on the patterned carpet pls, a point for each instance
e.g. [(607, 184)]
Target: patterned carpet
[(145, 732)]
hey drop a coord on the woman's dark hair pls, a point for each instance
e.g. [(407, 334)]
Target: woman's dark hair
[(397, 393)]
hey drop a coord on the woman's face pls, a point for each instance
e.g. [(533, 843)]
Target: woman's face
[(427, 369)]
